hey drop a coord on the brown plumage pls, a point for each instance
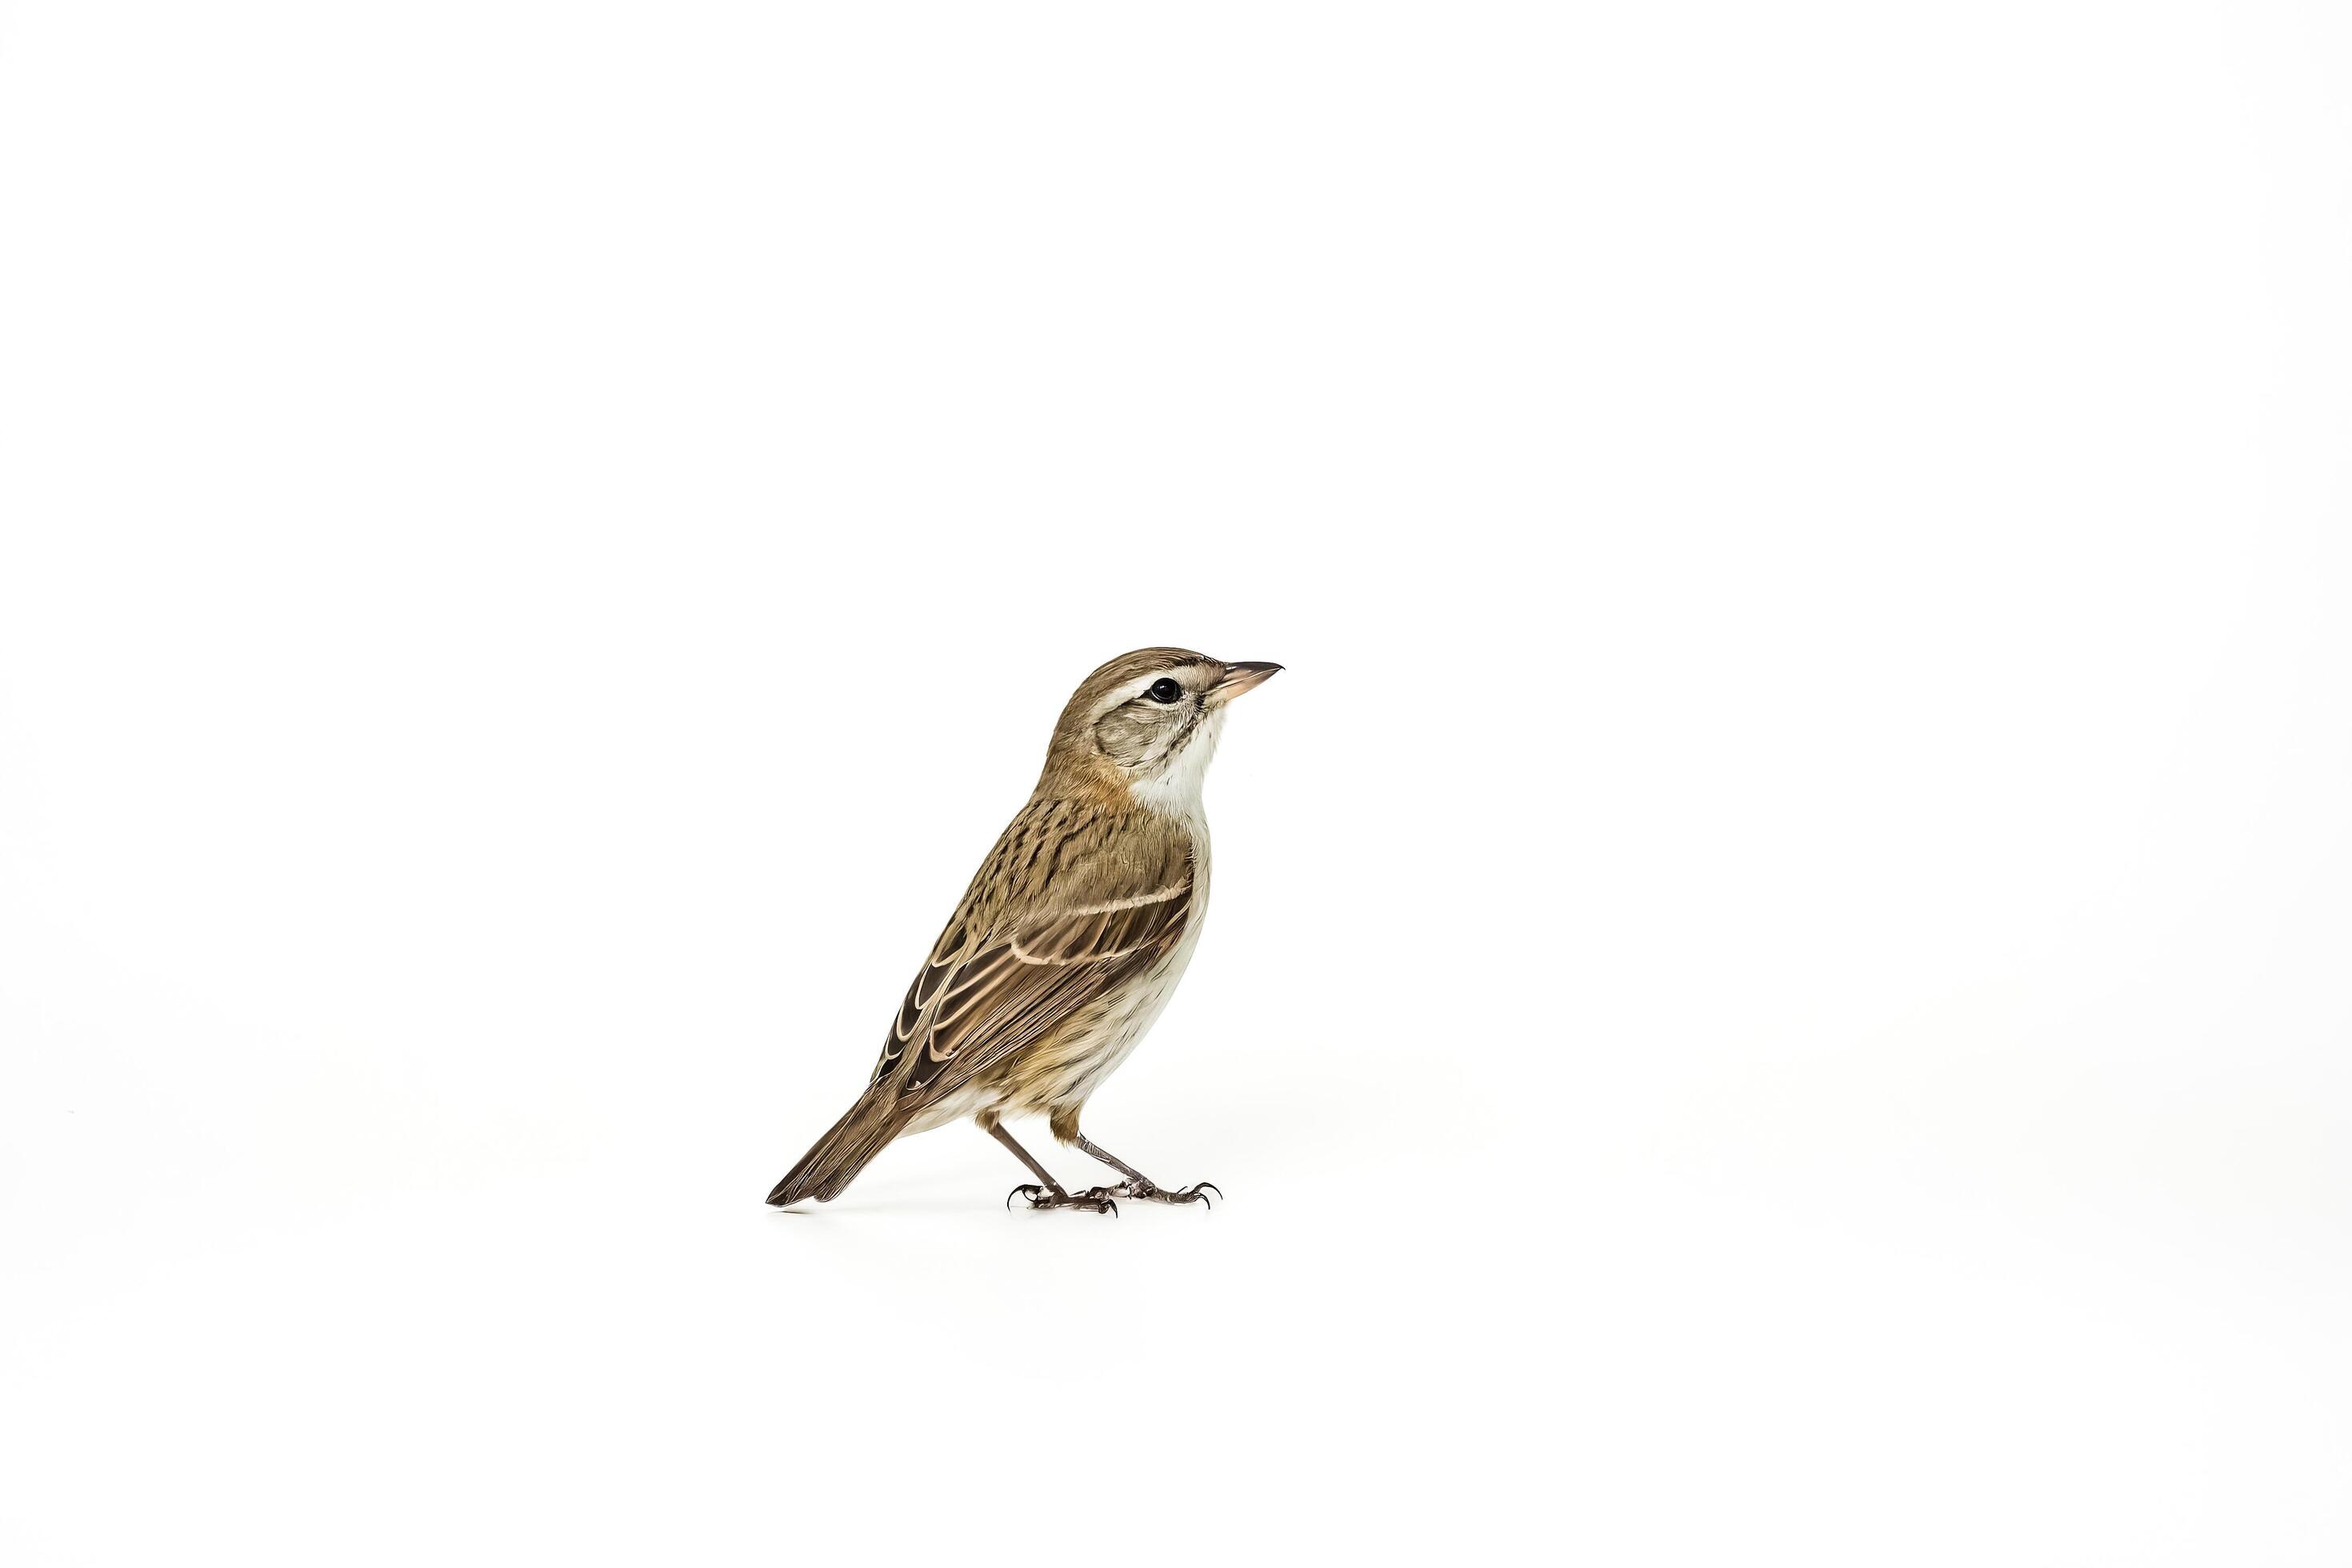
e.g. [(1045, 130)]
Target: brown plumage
[(1069, 937)]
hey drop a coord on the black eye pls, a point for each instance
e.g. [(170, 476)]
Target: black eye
[(1164, 691)]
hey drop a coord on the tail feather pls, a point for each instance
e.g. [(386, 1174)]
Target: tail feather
[(840, 1154)]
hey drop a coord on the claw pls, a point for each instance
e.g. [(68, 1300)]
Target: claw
[(1028, 1192), (1208, 1188)]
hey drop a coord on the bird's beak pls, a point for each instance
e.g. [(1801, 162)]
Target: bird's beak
[(1240, 677)]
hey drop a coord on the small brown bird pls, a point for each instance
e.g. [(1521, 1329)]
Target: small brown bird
[(1068, 941)]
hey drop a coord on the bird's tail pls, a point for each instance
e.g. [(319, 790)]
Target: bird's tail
[(841, 1153)]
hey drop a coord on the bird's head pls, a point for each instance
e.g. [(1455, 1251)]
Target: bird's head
[(1145, 725)]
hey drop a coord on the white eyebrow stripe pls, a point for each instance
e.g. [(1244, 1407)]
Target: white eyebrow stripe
[(1128, 691)]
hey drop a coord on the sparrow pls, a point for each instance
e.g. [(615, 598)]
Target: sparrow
[(1067, 942)]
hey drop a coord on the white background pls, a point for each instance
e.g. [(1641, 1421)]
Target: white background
[(1777, 990)]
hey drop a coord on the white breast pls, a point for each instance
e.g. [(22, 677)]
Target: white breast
[(1125, 1029)]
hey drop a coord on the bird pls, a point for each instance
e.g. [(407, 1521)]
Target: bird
[(1066, 944)]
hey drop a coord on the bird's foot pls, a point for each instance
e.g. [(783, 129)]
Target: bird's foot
[(1145, 1192), (1097, 1201)]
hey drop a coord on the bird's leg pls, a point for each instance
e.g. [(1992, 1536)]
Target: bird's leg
[(1050, 1195), (1137, 1185)]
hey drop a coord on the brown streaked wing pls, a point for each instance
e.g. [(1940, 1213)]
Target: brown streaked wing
[(1011, 993)]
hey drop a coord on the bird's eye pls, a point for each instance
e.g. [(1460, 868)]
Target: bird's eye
[(1164, 691)]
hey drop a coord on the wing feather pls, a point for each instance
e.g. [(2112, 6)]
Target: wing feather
[(971, 1007)]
